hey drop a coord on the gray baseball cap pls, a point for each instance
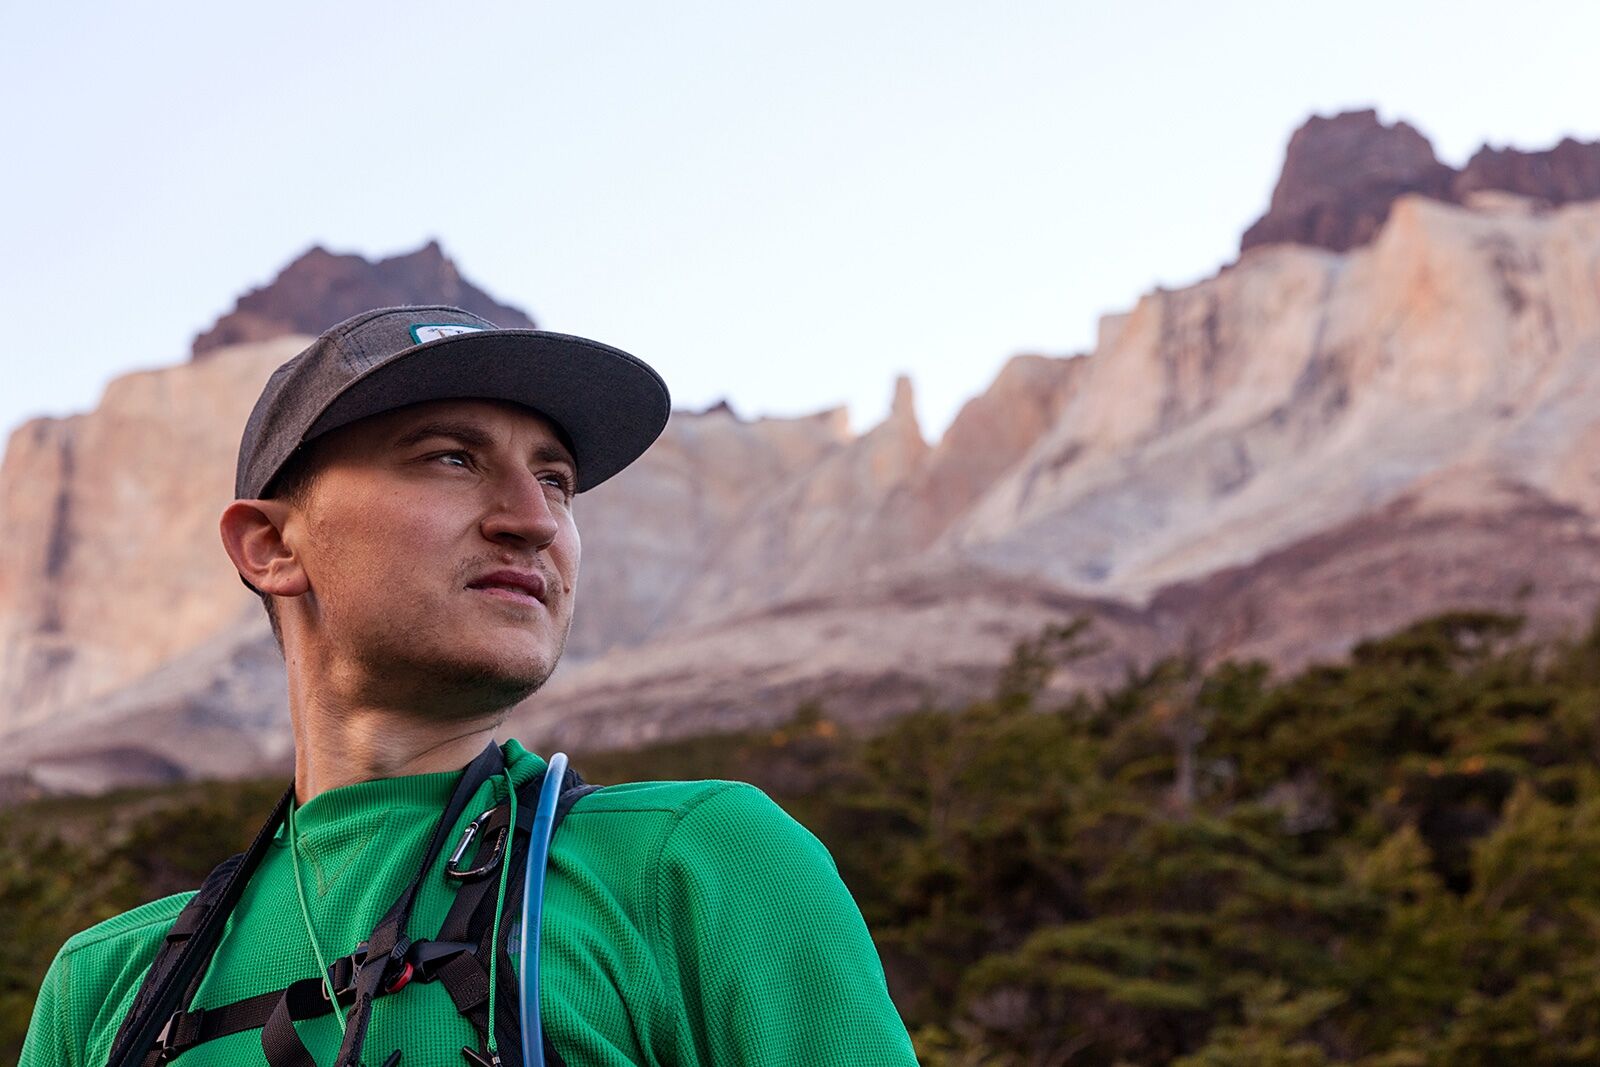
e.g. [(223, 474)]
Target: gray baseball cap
[(610, 405)]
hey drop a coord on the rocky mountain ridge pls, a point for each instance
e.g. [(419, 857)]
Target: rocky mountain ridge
[(1310, 447), (321, 288), (1342, 174)]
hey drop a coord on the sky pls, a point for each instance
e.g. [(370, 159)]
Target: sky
[(781, 205)]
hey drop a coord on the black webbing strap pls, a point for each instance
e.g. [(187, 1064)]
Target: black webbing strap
[(304, 999), (182, 928), (386, 946), (196, 1026), (466, 976), (189, 945)]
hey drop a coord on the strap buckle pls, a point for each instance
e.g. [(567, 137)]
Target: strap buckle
[(163, 1046), (428, 957), (400, 969), (169, 1043), (480, 867), (343, 973)]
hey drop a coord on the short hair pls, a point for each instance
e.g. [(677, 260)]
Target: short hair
[(292, 484)]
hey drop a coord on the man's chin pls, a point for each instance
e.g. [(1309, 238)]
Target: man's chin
[(460, 667), (511, 682), (472, 686)]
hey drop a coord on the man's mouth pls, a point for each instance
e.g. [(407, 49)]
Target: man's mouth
[(523, 587)]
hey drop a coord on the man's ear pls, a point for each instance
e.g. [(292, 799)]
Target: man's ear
[(252, 535)]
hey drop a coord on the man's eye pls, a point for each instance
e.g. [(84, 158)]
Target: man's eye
[(465, 457), (561, 481)]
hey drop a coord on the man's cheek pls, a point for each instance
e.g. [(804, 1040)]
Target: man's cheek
[(576, 555)]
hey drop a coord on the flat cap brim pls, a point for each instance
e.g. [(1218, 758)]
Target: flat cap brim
[(611, 405)]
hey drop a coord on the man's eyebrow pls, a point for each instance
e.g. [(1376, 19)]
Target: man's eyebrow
[(553, 453), (474, 437), (464, 432)]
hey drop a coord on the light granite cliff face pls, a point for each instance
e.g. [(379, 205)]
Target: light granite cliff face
[(1311, 447), (113, 565), (1305, 450), (989, 435), (809, 532), (1299, 389), (651, 532)]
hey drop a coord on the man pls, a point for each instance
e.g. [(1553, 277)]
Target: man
[(405, 489)]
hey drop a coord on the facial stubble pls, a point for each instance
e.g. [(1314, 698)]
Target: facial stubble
[(418, 670)]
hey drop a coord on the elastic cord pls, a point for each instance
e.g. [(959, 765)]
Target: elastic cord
[(305, 915), (499, 907)]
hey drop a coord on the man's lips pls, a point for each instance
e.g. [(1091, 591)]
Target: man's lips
[(508, 584)]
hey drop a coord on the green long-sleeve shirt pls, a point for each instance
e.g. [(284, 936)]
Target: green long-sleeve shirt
[(685, 923)]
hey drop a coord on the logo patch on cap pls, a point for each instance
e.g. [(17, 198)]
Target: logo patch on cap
[(432, 331)]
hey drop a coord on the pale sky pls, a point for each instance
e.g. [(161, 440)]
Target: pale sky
[(781, 204)]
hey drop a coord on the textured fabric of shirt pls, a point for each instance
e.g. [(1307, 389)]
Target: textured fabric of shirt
[(684, 923)]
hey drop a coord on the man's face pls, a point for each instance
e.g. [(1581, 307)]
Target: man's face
[(409, 516)]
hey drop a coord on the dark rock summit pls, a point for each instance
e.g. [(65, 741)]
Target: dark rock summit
[(1342, 174), (321, 288), (1567, 173)]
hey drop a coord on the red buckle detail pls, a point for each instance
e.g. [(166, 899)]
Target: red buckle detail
[(400, 980)]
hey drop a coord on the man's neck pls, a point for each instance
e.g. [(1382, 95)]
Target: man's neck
[(340, 739), (328, 755)]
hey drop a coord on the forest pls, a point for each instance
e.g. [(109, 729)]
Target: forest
[(1388, 861)]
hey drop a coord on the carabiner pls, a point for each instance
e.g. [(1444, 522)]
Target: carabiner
[(453, 868)]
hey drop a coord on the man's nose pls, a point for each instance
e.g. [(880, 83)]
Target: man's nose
[(520, 511)]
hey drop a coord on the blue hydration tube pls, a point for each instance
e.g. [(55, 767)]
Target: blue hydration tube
[(544, 818)]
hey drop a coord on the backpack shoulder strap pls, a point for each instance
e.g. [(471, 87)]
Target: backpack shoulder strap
[(171, 948), (465, 975), (180, 961)]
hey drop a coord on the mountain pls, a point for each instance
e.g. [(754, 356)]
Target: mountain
[(321, 288), (1386, 408), (1342, 174), (1307, 449)]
